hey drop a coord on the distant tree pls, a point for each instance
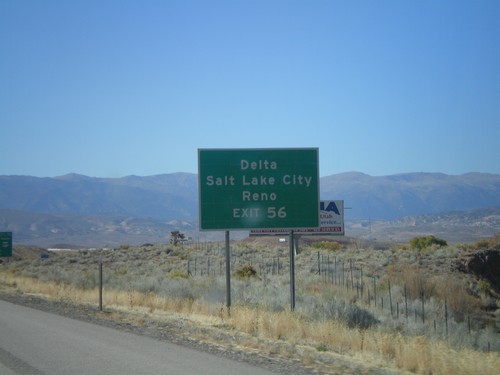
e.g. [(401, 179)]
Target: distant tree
[(420, 243), (176, 237)]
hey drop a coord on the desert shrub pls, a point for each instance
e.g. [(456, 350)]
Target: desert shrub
[(484, 287), (147, 285), (492, 243), (178, 274), (245, 271), (177, 288), (481, 244), (87, 280), (348, 313), (399, 247), (421, 243), (254, 292), (462, 246), (411, 278), (121, 271), (455, 292), (326, 245)]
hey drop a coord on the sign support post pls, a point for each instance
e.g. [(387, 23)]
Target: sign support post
[(100, 285), (292, 272), (228, 274)]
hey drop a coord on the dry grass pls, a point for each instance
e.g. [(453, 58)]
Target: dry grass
[(334, 320), (414, 354)]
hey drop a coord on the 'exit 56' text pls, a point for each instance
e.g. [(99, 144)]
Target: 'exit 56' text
[(256, 212)]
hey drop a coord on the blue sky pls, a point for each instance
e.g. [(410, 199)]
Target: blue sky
[(115, 88)]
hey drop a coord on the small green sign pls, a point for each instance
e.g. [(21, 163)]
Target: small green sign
[(258, 188), (5, 244)]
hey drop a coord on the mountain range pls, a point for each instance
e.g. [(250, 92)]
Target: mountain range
[(408, 194), (167, 196), (157, 203)]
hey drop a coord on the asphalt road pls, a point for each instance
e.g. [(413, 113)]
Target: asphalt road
[(38, 343)]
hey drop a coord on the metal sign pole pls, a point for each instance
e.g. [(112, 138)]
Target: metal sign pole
[(292, 273), (228, 274), (296, 243), (100, 285)]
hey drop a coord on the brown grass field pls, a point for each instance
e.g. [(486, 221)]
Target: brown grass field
[(393, 309)]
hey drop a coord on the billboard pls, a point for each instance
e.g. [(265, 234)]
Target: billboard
[(258, 188)]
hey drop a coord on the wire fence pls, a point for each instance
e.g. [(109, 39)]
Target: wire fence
[(426, 314)]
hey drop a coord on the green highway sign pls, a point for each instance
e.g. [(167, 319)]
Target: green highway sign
[(258, 188), (5, 244)]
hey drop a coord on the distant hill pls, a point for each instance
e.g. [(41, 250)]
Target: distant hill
[(70, 231), (83, 210), (393, 197), (455, 226), (167, 196), (175, 196)]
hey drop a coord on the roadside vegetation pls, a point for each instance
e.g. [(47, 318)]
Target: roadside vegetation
[(410, 308)]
